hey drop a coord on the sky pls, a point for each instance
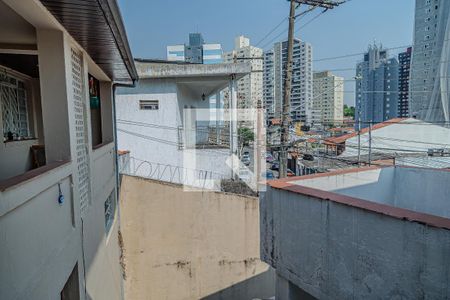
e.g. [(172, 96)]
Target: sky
[(348, 29)]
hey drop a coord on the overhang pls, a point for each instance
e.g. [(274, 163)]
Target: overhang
[(97, 26), (154, 69), (199, 79)]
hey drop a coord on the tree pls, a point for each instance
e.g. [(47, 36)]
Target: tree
[(246, 135), (349, 111)]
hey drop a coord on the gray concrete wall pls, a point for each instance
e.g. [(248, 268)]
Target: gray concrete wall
[(190, 245), (334, 251), (423, 190)]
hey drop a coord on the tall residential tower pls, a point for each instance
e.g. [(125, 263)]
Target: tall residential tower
[(404, 60), (250, 87), (302, 81), (376, 87), (430, 66), (328, 102)]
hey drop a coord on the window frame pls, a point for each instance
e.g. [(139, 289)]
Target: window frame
[(28, 103), (148, 103)]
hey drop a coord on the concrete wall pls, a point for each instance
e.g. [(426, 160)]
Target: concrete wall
[(335, 251), (417, 189), (423, 190), (190, 245)]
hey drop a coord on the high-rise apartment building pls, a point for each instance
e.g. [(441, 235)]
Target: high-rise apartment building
[(429, 93), (376, 87), (250, 88), (275, 61), (196, 52), (328, 101), (404, 61)]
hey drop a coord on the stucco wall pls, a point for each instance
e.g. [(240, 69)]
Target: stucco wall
[(190, 245), (423, 190), (334, 251), (152, 135)]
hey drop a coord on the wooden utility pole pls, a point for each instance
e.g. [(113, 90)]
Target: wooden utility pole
[(286, 110)]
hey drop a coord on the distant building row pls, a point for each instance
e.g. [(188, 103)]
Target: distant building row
[(197, 51), (417, 83), (313, 100)]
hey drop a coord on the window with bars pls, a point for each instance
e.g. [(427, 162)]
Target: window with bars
[(13, 104)]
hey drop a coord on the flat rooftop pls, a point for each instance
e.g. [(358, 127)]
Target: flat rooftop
[(409, 193), (159, 69)]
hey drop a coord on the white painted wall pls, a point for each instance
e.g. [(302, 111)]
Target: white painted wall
[(41, 240), (152, 135), (417, 189)]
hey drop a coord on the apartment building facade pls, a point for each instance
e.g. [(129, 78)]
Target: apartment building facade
[(376, 87), (58, 184), (249, 88), (404, 64), (302, 80), (429, 95), (328, 102)]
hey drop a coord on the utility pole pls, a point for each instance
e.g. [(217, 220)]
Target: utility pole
[(370, 143), (359, 141), (286, 110)]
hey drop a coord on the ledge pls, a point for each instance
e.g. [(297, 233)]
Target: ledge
[(383, 209), (22, 178)]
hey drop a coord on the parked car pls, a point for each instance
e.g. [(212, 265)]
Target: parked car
[(269, 158), (309, 157), (268, 175), (246, 160), (275, 166), (290, 173)]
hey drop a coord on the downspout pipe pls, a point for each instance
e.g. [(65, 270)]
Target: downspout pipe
[(116, 85)]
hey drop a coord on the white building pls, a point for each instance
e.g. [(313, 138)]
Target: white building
[(302, 81), (157, 123), (212, 54), (409, 141), (58, 185), (250, 87), (328, 101), (175, 53), (430, 62)]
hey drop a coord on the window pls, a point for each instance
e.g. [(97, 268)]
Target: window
[(13, 100), (96, 111), (110, 211), (148, 104)]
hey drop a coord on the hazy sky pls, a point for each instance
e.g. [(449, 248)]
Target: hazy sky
[(153, 24)]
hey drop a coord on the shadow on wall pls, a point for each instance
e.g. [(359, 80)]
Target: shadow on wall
[(261, 286)]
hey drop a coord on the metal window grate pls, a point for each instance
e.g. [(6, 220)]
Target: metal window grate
[(148, 104), (80, 131), (13, 101)]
